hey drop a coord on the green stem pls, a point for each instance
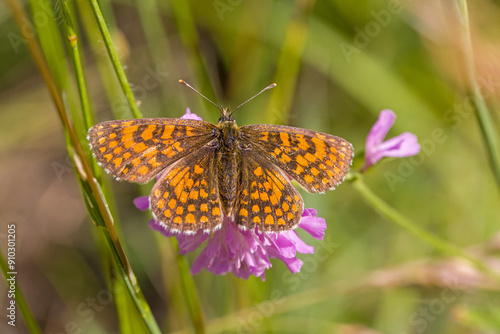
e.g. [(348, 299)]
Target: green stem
[(77, 65), (29, 319), (151, 22), (394, 216), (289, 62), (120, 73), (190, 292), (72, 39), (181, 11), (490, 134)]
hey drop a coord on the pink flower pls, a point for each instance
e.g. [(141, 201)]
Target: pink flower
[(190, 115), (404, 145), (243, 252)]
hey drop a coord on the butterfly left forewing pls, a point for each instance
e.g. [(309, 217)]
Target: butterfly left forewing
[(317, 161), (136, 150)]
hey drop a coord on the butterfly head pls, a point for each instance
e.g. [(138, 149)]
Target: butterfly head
[(226, 115)]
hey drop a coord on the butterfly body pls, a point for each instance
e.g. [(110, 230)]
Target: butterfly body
[(228, 161), (209, 171)]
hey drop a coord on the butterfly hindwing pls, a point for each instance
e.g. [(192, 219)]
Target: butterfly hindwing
[(267, 199), (185, 198)]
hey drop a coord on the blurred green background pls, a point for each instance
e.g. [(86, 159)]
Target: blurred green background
[(337, 64)]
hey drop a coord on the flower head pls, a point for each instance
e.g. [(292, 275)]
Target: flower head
[(242, 252), (404, 145)]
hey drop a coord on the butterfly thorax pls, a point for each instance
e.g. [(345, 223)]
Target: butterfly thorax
[(227, 162)]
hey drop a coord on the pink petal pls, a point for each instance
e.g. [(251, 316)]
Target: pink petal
[(199, 263), (300, 245), (404, 145), (189, 243), (190, 115), (309, 212), (281, 245), (141, 202), (380, 129), (293, 264), (315, 226)]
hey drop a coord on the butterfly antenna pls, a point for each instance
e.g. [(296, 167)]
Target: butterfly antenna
[(268, 87), (182, 82)]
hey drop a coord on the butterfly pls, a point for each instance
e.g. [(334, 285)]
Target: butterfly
[(206, 171)]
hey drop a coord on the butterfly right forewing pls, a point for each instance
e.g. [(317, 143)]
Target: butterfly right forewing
[(317, 161)]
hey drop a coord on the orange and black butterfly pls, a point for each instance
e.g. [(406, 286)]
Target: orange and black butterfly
[(208, 171)]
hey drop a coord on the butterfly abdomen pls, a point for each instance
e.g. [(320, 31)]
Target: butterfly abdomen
[(227, 180), (228, 165)]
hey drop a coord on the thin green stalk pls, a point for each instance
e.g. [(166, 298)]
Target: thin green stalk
[(72, 39), (157, 43), (184, 19), (110, 81), (95, 201), (289, 63), (394, 216), (48, 36), (29, 319), (77, 64), (190, 292), (120, 73), (490, 133)]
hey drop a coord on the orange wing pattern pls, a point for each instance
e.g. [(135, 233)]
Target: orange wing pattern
[(136, 150)]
